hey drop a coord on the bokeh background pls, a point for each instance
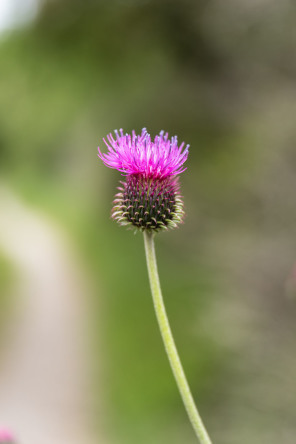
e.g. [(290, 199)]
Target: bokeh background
[(220, 75)]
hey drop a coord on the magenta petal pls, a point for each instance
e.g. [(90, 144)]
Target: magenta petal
[(138, 154)]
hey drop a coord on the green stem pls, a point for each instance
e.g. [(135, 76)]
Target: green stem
[(169, 343)]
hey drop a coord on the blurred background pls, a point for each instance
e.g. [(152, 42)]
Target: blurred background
[(81, 359)]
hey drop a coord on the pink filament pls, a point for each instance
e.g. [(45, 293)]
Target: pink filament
[(139, 154)]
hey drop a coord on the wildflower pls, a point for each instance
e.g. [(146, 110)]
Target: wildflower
[(149, 198)]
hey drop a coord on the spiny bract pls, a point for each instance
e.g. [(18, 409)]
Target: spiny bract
[(148, 204)]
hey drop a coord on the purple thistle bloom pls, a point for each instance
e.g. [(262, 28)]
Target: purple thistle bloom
[(133, 154), (149, 199)]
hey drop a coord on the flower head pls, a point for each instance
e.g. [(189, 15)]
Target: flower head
[(149, 198), (139, 154)]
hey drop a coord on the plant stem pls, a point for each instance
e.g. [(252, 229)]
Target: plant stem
[(169, 343)]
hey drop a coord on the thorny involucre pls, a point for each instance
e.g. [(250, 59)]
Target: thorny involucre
[(149, 198)]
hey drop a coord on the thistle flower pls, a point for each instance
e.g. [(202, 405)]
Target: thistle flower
[(149, 199)]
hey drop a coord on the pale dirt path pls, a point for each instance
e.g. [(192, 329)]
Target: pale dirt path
[(44, 388)]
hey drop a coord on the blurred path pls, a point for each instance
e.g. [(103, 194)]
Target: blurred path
[(44, 397)]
